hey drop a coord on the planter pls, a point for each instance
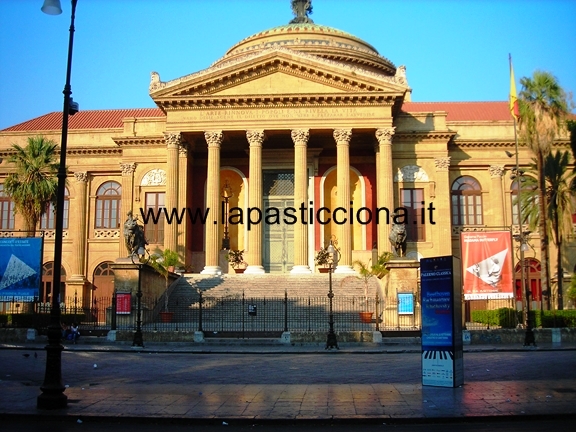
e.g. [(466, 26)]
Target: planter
[(166, 317), (324, 269), (171, 269), (239, 270), (366, 317)]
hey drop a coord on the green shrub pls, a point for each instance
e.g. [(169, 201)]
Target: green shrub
[(551, 319), (502, 317)]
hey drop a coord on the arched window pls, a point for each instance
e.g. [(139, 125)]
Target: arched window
[(47, 222), (466, 201), (108, 199), (6, 211)]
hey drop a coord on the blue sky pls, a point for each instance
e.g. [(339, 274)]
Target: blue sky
[(454, 50)]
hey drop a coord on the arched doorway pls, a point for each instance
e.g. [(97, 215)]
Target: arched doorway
[(103, 281), (532, 270), (47, 280)]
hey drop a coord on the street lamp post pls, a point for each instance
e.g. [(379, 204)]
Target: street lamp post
[(331, 341), (143, 258), (53, 396)]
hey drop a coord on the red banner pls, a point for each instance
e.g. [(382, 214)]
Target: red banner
[(486, 265)]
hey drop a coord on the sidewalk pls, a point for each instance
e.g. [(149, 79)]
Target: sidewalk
[(142, 397)]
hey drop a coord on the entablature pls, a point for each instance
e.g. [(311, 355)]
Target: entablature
[(140, 141)]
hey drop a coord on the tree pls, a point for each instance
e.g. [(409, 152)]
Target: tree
[(543, 111), (33, 185), (560, 194)]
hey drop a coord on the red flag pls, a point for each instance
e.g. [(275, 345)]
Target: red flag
[(514, 107)]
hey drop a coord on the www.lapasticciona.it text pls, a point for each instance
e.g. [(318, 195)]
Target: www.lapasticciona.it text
[(292, 215)]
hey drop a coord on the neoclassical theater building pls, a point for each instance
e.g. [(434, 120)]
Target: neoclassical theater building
[(296, 136)]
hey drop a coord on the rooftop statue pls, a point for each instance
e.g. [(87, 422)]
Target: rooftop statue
[(302, 8)]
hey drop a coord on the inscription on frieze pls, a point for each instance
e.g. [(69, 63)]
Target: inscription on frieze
[(278, 114)]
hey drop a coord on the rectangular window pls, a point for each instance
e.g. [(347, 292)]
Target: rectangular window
[(6, 214), (154, 232), (47, 222), (412, 200)]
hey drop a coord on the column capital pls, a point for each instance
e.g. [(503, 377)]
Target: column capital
[(81, 176), (342, 136), (183, 149), (300, 136), (442, 163), (255, 137), (127, 168), (496, 171), (384, 135), (173, 139), (214, 138)]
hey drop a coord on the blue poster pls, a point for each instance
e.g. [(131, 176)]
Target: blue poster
[(436, 287), (20, 268), (405, 304)]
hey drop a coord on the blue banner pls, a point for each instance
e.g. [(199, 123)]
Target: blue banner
[(436, 287), (20, 268)]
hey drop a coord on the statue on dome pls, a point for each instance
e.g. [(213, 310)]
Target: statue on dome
[(302, 8)]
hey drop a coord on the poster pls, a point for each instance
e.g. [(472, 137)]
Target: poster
[(123, 302), (20, 268), (405, 303), (442, 354), (487, 265)]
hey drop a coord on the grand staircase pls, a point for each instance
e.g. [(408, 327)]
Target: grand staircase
[(272, 288), (271, 285)]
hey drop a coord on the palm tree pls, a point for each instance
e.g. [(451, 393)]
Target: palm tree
[(560, 193), (543, 111), (32, 186)]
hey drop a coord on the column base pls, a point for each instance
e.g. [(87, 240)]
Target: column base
[(211, 270), (345, 269), (255, 269), (300, 269)]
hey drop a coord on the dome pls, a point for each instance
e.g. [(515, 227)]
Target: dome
[(319, 40)]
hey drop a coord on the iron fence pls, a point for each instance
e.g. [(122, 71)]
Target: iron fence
[(241, 314), (221, 314)]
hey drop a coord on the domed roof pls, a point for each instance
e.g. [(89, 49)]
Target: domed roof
[(319, 40)]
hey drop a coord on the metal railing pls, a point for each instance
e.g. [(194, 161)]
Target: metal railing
[(240, 314)]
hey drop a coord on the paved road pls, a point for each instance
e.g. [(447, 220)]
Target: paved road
[(332, 367), (251, 387)]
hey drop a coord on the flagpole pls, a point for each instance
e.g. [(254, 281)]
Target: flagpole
[(529, 335)]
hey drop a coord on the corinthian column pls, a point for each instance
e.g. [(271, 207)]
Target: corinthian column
[(214, 140), (497, 195), (300, 138), (343, 230), (127, 198), (254, 256), (384, 184), (185, 156), (173, 141), (78, 230)]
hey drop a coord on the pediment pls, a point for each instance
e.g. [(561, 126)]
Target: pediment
[(278, 71)]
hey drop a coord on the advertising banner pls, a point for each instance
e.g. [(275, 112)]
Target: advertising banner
[(20, 268), (487, 265), (442, 355)]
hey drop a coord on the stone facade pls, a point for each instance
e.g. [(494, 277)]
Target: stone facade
[(283, 124)]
